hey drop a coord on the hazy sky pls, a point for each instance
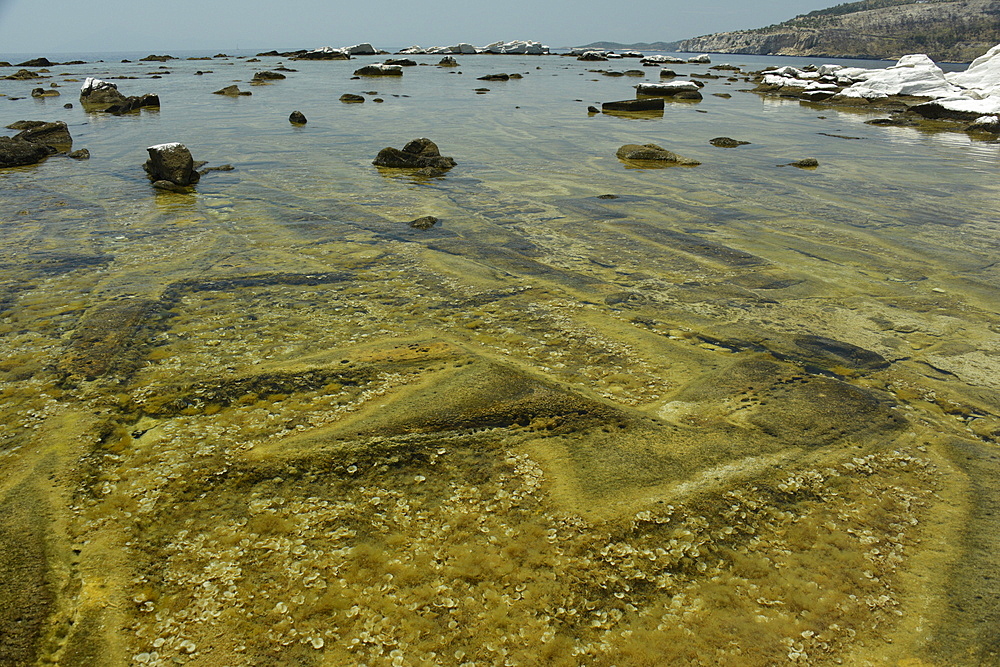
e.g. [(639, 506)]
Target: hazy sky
[(69, 26)]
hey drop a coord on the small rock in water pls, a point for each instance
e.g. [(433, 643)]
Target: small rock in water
[(43, 92), (232, 91), (68, 105), (807, 163), (268, 76), (171, 162), (651, 153), (351, 98), (82, 154), (607, 196), (727, 142), (297, 118), (424, 223), (448, 61), (641, 104), (593, 109)]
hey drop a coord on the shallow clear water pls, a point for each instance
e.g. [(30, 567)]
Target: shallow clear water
[(740, 414)]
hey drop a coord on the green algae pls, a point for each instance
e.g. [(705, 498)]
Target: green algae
[(719, 420)]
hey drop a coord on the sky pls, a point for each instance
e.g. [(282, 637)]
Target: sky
[(41, 27)]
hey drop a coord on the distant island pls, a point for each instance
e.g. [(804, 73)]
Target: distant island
[(945, 30)]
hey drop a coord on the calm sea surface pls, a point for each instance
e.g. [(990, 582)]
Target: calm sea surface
[(735, 414)]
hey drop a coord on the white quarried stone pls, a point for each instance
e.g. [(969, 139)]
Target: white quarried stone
[(165, 147), (914, 74), (703, 58), (657, 59), (982, 75), (91, 84), (665, 88), (363, 49)]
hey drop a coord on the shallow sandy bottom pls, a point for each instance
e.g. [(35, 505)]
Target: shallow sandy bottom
[(726, 418)]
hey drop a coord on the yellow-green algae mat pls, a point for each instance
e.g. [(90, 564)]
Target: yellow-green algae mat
[(430, 450)]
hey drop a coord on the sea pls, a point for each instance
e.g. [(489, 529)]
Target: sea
[(600, 413)]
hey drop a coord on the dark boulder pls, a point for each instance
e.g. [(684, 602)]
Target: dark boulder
[(55, 135), (157, 59), (379, 69), (297, 118), (643, 104), (37, 62), (495, 77), (988, 124), (934, 111), (231, 91), (16, 152), (448, 61), (402, 62), (807, 163), (172, 163), (817, 95), (134, 104), (653, 155), (44, 92), (417, 154), (351, 98), (727, 142), (82, 154)]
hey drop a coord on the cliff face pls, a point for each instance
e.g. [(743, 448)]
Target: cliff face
[(956, 31)]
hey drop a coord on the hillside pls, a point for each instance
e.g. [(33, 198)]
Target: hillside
[(946, 30)]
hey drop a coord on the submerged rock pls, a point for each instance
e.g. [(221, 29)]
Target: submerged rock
[(173, 163), (807, 163), (417, 154), (494, 77), (24, 75), (424, 223), (82, 154), (232, 91), (44, 92), (351, 98), (402, 62), (653, 153), (297, 118), (727, 142)]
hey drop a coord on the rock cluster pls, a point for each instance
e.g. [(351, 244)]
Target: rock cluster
[(966, 95), (35, 142), (96, 94), (417, 154)]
